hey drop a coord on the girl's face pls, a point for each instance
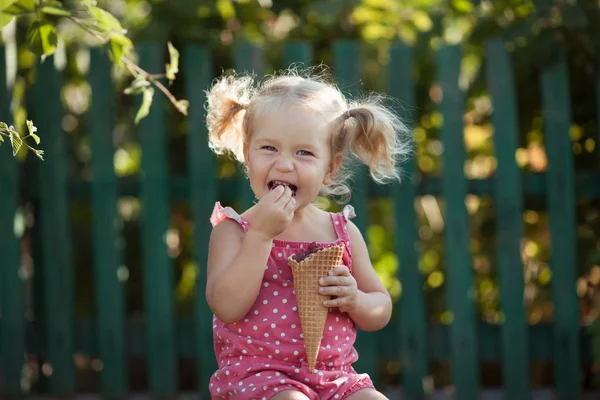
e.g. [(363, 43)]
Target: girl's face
[(289, 148)]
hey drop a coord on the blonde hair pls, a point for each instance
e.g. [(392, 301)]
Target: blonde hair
[(364, 128)]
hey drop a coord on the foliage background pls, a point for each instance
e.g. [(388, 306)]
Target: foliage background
[(537, 32)]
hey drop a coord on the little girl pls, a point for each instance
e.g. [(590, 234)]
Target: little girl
[(293, 134)]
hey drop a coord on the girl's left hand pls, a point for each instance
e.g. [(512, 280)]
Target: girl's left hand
[(341, 284)]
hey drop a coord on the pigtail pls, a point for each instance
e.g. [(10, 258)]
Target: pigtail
[(226, 107), (377, 137)]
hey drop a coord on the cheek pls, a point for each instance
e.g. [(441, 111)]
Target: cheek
[(313, 169), (258, 160)]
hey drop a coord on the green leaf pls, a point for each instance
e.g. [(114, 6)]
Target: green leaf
[(120, 45), (106, 21), (182, 106), (4, 4), (32, 129), (20, 7), (54, 3), (15, 141), (54, 8), (5, 19), (42, 38), (172, 68), (146, 104), (4, 127), (137, 86)]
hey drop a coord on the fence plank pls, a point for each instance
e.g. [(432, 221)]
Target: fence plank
[(203, 194), (561, 212), (106, 230), (509, 209), (248, 59), (459, 270), (158, 272), (347, 67), (411, 317), (298, 53), (55, 228), (12, 328)]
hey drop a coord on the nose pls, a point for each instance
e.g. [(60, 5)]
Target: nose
[(284, 164)]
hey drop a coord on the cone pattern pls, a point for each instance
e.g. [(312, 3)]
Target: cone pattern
[(310, 303)]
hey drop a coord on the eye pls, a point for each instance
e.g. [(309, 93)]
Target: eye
[(305, 153), (268, 148)]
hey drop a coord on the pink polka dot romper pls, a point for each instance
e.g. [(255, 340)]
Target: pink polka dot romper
[(263, 354)]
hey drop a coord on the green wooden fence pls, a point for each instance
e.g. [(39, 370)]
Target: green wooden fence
[(409, 339)]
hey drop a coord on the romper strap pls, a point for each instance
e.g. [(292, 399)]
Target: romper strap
[(341, 219), (221, 213)]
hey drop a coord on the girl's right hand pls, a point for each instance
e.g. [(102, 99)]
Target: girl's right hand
[(274, 212)]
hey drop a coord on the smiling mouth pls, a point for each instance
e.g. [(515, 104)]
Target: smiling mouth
[(274, 184)]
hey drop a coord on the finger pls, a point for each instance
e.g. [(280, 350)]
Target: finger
[(339, 270), (291, 205), (336, 281), (285, 196), (276, 193), (337, 302), (338, 291)]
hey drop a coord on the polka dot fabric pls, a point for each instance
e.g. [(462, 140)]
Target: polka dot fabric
[(264, 353)]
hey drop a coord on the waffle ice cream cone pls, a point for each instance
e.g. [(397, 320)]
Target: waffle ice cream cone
[(313, 313)]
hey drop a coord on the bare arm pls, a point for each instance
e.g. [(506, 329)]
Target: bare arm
[(374, 305), (236, 265), (236, 261)]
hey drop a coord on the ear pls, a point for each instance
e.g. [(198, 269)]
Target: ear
[(333, 169)]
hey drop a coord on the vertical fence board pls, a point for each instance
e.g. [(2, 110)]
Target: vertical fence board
[(297, 53), (203, 191), (347, 67), (158, 272), (106, 231), (248, 59), (509, 212), (12, 330), (55, 228), (411, 317), (459, 270), (561, 212)]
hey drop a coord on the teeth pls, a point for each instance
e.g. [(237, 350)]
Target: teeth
[(275, 183)]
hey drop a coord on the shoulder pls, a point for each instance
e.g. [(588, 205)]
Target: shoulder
[(225, 241), (220, 214), (345, 217), (225, 237), (355, 235), (357, 242), (227, 224), (227, 228)]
